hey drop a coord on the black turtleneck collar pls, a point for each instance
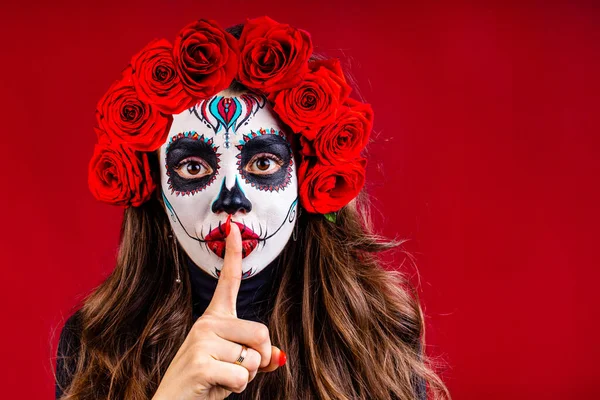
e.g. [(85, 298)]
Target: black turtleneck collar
[(253, 302)]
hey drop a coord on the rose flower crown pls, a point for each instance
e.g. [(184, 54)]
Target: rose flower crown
[(310, 96)]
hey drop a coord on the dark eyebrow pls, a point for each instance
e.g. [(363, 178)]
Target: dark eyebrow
[(268, 143), (186, 147)]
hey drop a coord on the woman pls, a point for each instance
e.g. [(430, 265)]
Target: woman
[(250, 271)]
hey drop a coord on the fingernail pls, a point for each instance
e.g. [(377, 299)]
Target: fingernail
[(282, 358), (228, 225)]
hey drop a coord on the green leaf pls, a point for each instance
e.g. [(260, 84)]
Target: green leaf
[(331, 217)]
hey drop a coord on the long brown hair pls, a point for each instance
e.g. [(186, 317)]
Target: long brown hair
[(351, 328)]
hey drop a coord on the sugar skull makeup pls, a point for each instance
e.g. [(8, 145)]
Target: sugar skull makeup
[(228, 156)]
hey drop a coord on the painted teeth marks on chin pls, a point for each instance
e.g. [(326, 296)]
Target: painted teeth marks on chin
[(247, 274)]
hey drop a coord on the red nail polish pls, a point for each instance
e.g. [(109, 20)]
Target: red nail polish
[(282, 358), (228, 225)]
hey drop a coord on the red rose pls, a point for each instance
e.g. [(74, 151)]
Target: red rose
[(156, 81), (120, 176), (273, 56), (307, 147), (315, 101), (345, 138), (127, 119), (328, 188), (206, 58), (102, 136)]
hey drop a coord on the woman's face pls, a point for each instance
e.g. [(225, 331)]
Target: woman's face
[(229, 156)]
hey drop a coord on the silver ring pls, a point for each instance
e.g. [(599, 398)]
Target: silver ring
[(242, 355)]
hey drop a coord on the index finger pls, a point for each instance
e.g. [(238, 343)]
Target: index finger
[(225, 296)]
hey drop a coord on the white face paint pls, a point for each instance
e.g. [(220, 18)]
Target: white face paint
[(229, 156)]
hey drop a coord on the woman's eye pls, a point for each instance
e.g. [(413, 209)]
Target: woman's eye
[(264, 164), (192, 168)]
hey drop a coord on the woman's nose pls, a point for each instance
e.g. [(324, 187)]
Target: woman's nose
[(231, 200)]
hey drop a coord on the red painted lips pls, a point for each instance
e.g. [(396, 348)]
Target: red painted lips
[(215, 240)]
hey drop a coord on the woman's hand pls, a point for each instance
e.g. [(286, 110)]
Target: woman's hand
[(204, 367)]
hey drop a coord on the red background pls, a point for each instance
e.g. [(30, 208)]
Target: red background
[(484, 157)]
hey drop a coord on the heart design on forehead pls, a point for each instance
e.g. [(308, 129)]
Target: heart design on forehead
[(227, 110), (228, 114), (308, 94), (235, 104)]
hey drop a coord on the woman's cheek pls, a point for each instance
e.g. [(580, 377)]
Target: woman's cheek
[(198, 227)]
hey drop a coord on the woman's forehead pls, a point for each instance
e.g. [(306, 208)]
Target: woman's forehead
[(226, 118)]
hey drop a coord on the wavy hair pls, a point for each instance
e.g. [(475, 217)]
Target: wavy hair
[(351, 328)]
